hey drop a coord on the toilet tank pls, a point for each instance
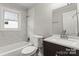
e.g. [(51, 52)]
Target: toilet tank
[(36, 40)]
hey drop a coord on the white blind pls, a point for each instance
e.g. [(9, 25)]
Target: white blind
[(10, 15)]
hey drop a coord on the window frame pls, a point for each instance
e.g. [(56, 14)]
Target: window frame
[(3, 10)]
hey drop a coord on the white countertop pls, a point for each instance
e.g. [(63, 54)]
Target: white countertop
[(72, 43)]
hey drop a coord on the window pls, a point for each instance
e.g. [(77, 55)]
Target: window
[(10, 19)]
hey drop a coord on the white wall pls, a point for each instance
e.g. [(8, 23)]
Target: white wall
[(30, 24), (42, 14), (41, 20), (78, 15), (9, 37)]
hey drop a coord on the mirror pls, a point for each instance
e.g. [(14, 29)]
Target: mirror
[(66, 19)]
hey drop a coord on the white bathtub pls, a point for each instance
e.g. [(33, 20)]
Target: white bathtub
[(13, 49)]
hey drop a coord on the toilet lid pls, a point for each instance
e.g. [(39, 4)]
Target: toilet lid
[(29, 49)]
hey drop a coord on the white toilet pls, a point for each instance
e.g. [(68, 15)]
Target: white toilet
[(31, 50)]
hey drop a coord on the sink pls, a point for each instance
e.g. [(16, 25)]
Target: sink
[(70, 42), (66, 41), (74, 40)]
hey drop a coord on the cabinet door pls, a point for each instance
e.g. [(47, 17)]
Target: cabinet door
[(51, 49), (63, 51)]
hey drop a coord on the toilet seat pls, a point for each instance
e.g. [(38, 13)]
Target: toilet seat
[(29, 50)]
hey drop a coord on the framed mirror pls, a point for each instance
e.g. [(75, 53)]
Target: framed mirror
[(66, 19)]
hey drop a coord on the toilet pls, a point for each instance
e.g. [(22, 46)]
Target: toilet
[(32, 49)]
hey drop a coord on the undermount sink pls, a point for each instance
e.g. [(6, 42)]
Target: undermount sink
[(68, 40), (74, 40)]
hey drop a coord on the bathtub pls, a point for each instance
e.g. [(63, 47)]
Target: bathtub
[(13, 49)]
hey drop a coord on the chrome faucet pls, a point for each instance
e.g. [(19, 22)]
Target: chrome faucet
[(64, 35)]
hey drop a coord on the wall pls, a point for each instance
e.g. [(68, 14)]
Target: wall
[(9, 37), (30, 24), (78, 16), (42, 19), (40, 23), (57, 22)]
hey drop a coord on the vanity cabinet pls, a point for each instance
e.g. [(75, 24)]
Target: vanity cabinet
[(52, 49)]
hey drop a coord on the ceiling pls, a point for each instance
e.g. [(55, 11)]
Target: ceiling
[(26, 5), (20, 5)]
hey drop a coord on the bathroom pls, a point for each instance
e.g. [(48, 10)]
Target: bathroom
[(34, 29)]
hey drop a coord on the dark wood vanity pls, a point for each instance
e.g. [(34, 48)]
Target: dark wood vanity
[(52, 49)]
